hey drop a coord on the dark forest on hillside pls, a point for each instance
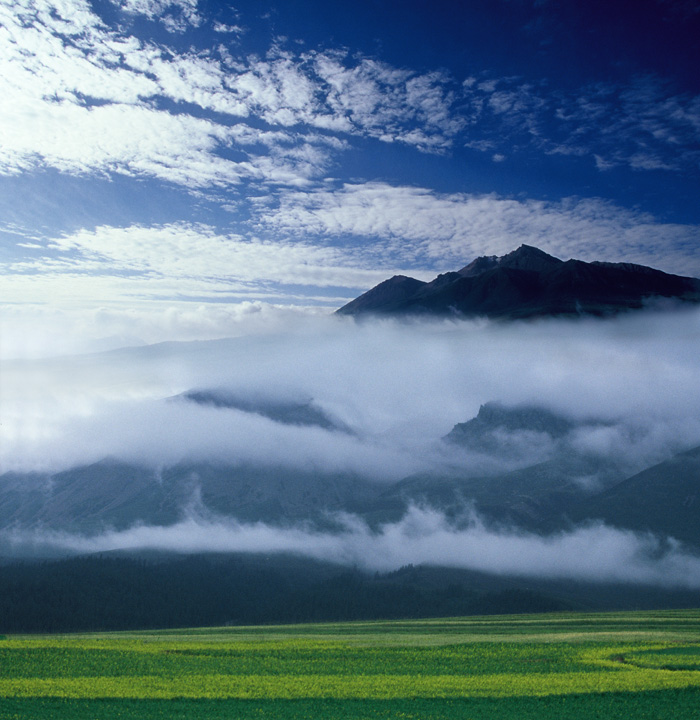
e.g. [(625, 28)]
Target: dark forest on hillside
[(122, 593)]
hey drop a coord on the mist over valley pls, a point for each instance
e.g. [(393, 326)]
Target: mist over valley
[(552, 450)]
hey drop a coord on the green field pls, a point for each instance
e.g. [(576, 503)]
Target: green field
[(640, 665)]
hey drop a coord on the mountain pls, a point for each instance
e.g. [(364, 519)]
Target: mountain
[(287, 412), (664, 499), (118, 495), (540, 480), (550, 476), (89, 498), (494, 420), (526, 283)]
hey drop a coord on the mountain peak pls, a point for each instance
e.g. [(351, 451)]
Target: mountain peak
[(387, 296), (526, 250), (527, 257), (527, 283)]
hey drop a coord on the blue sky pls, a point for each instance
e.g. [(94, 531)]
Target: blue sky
[(168, 168)]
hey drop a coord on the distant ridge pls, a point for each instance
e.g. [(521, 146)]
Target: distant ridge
[(526, 283)]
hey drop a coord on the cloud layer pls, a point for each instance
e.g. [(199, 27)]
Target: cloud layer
[(399, 387), (591, 554), (426, 226), (85, 97), (394, 390)]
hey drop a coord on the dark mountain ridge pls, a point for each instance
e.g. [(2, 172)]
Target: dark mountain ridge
[(526, 283)]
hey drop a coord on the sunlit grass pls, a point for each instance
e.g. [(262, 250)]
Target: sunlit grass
[(467, 659)]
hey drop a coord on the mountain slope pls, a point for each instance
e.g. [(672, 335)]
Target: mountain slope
[(664, 499), (526, 283), (113, 494), (536, 478)]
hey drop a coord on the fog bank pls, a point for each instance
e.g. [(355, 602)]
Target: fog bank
[(594, 553), (392, 388)]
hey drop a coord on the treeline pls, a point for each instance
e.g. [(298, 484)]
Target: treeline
[(121, 593)]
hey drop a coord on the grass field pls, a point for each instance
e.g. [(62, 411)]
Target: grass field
[(640, 665)]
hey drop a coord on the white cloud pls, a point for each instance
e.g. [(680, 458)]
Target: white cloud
[(77, 321), (331, 91), (423, 537), (224, 28), (66, 75), (83, 98), (644, 124), (139, 430), (80, 107), (177, 260), (92, 106), (125, 139), (378, 378), (420, 225), (389, 103), (176, 15)]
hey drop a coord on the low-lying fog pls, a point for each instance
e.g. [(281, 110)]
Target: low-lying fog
[(389, 392), (595, 553)]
